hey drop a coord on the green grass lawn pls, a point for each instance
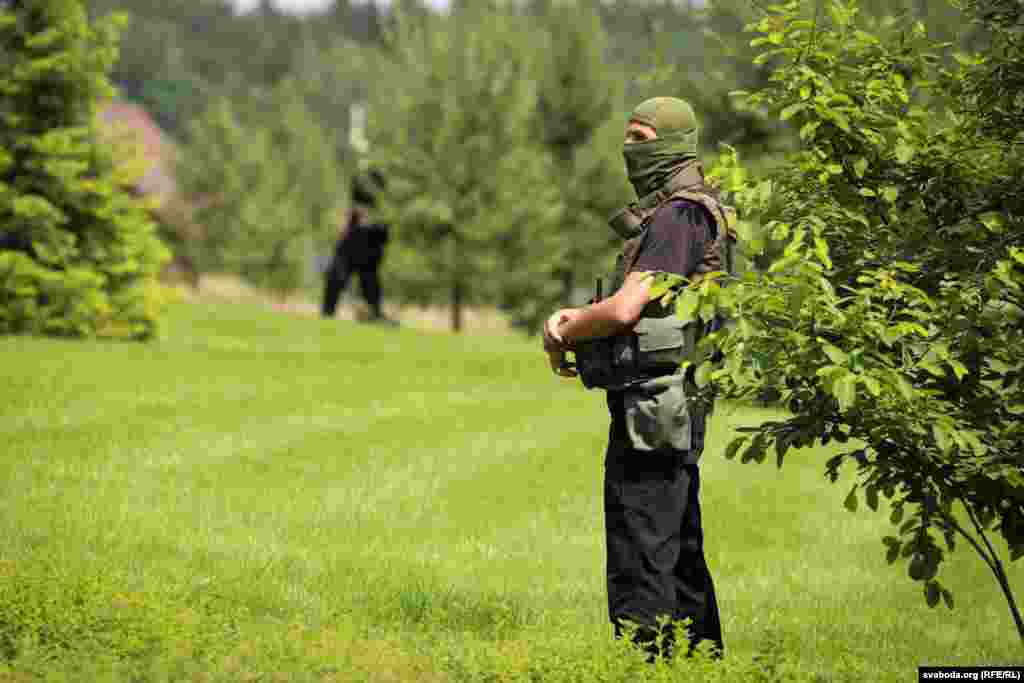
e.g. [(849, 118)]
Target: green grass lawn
[(261, 497)]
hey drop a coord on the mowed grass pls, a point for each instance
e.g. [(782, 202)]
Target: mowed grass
[(261, 497)]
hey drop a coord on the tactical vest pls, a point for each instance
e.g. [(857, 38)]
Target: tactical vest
[(644, 363)]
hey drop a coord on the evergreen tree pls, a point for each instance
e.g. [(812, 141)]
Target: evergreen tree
[(79, 256), (267, 184), (578, 94), (470, 193)]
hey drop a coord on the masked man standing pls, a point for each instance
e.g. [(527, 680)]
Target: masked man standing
[(633, 347)]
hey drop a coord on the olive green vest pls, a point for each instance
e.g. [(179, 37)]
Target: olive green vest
[(645, 363)]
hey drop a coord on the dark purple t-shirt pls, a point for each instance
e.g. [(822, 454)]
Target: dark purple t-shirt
[(676, 238)]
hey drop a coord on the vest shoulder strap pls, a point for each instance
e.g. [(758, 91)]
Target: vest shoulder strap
[(689, 184)]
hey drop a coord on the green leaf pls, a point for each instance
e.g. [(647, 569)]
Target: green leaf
[(916, 569), (897, 515), (931, 593), (845, 391), (703, 374), (782, 444), (851, 500), (687, 305), (792, 110), (974, 443), (756, 451), (808, 129), (871, 497), (779, 230), (959, 369), (905, 389), (658, 285), (866, 192), (890, 194), (942, 437), (860, 166), (734, 447), (904, 152), (821, 250), (908, 526), (835, 354), (892, 554), (873, 386), (992, 221), (840, 120), (873, 137)]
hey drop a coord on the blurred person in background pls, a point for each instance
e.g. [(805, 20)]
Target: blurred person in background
[(359, 249)]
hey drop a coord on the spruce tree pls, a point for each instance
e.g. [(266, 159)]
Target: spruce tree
[(470, 192), (578, 96), (79, 255), (268, 184)]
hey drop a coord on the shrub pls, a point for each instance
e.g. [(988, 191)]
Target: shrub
[(78, 253)]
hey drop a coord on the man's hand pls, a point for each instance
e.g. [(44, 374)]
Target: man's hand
[(555, 345), (553, 340)]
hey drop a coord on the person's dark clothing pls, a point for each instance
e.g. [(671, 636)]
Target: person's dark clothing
[(337, 280), (359, 251), (655, 544), (363, 245), (676, 238)]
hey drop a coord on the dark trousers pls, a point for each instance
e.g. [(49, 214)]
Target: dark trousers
[(338, 275), (655, 544)]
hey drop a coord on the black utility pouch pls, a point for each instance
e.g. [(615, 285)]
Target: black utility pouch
[(594, 363)]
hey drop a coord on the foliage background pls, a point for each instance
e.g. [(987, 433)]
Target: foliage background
[(592, 61)]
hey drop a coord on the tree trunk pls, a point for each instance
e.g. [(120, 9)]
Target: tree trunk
[(988, 554), (1004, 583), (457, 305)]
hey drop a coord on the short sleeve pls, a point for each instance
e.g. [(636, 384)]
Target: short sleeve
[(676, 239)]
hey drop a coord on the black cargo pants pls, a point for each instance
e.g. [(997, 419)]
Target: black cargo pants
[(655, 544), (338, 275)]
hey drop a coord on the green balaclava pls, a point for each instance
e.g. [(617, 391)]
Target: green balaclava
[(650, 164)]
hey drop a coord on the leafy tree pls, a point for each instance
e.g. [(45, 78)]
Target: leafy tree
[(266, 186), (78, 254), (469, 193), (577, 94), (893, 322), (301, 186), (211, 176)]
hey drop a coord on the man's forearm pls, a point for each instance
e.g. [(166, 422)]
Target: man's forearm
[(593, 322)]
